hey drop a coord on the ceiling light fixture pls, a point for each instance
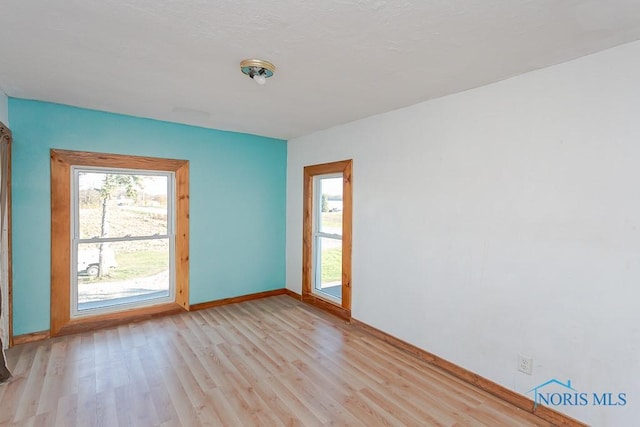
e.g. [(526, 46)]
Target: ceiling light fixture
[(257, 69)]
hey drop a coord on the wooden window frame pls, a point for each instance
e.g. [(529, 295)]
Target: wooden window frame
[(61, 163), (344, 167)]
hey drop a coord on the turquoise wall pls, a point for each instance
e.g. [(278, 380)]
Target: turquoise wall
[(237, 196)]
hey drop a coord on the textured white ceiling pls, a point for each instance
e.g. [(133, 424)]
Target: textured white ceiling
[(337, 60)]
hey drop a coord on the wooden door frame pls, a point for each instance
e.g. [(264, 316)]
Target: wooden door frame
[(5, 133), (345, 168)]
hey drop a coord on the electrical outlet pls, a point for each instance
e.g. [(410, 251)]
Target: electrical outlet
[(525, 364)]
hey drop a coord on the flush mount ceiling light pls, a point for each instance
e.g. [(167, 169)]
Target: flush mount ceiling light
[(257, 69)]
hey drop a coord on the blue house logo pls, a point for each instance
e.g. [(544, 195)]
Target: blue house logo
[(538, 392), (557, 393)]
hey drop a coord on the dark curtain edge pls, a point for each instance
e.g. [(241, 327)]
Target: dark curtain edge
[(5, 374)]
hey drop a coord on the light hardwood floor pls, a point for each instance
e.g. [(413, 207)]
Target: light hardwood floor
[(274, 361)]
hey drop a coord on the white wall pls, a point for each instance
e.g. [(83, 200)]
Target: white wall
[(4, 108), (499, 221)]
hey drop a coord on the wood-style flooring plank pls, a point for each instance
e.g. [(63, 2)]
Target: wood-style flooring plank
[(271, 362)]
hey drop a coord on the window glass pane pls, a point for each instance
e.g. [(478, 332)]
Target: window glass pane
[(121, 204), (122, 272), (329, 266), (330, 190)]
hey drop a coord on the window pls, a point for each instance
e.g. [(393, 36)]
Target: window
[(123, 239), (327, 236), (119, 231), (326, 278)]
